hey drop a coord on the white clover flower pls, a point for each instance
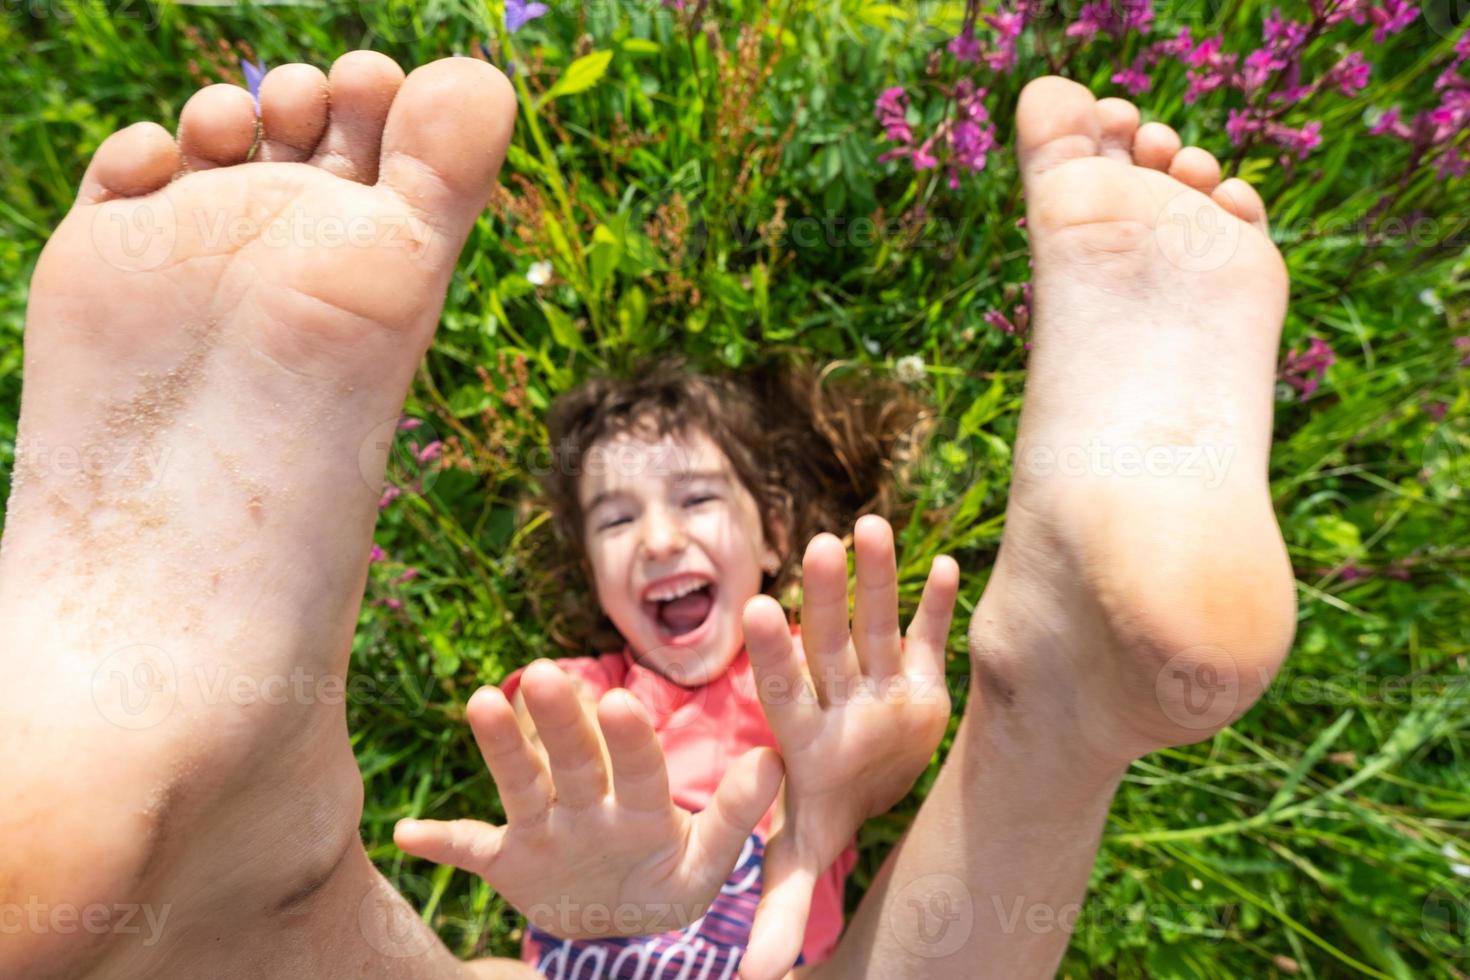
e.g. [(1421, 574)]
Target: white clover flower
[(909, 369), (871, 345), (539, 274), (1456, 867)]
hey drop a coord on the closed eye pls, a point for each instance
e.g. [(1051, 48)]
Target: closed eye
[(693, 501)]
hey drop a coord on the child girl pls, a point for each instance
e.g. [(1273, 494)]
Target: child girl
[(678, 497)]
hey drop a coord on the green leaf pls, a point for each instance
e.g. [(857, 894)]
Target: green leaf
[(638, 45), (580, 75), (1309, 759), (563, 329), (603, 257), (879, 14)]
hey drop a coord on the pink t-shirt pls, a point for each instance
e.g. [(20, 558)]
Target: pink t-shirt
[(702, 731)]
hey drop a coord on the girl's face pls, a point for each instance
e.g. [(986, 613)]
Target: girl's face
[(676, 548)]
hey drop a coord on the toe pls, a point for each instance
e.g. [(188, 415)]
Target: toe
[(217, 127), (1118, 120), (446, 138), (1197, 168), (363, 85), (1154, 146), (293, 113), (1241, 200), (1056, 121), (131, 162)]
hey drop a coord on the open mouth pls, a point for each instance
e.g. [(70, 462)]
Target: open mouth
[(684, 615)]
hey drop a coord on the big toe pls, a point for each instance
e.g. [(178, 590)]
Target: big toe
[(1056, 121), (446, 138), (1241, 200)]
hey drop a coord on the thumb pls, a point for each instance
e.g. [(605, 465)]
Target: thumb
[(744, 795), (467, 844), (779, 929)]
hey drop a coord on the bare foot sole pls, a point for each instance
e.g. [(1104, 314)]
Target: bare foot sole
[(219, 340), (1140, 540)]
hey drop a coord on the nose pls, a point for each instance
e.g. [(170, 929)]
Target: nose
[(663, 532)]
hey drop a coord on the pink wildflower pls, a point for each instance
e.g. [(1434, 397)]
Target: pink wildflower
[(1392, 17), (390, 494), (1305, 371), (1001, 322), (891, 109), (1133, 79), (1300, 141), (1283, 34), (1388, 124), (1240, 125), (1350, 75), (965, 47)]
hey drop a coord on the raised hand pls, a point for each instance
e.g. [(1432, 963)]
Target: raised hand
[(856, 724), (593, 845)]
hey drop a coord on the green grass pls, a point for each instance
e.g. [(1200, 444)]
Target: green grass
[(1306, 840)]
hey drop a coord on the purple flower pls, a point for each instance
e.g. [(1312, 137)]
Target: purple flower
[(923, 156), (377, 554), (1453, 164), (1350, 75), (519, 13), (1283, 34), (254, 75), (1305, 371), (1112, 17), (965, 47), (890, 108), (1204, 53), (1300, 141), (1259, 66), (1000, 321), (1240, 125), (1177, 47), (1392, 17), (1133, 78)]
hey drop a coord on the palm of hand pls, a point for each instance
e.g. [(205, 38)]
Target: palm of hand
[(594, 845)]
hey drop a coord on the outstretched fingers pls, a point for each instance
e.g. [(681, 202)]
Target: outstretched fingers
[(520, 774), (875, 613), (825, 634), (573, 746), (781, 680), (640, 772), (927, 641)]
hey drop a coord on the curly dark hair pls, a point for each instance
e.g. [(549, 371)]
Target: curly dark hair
[(816, 448)]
